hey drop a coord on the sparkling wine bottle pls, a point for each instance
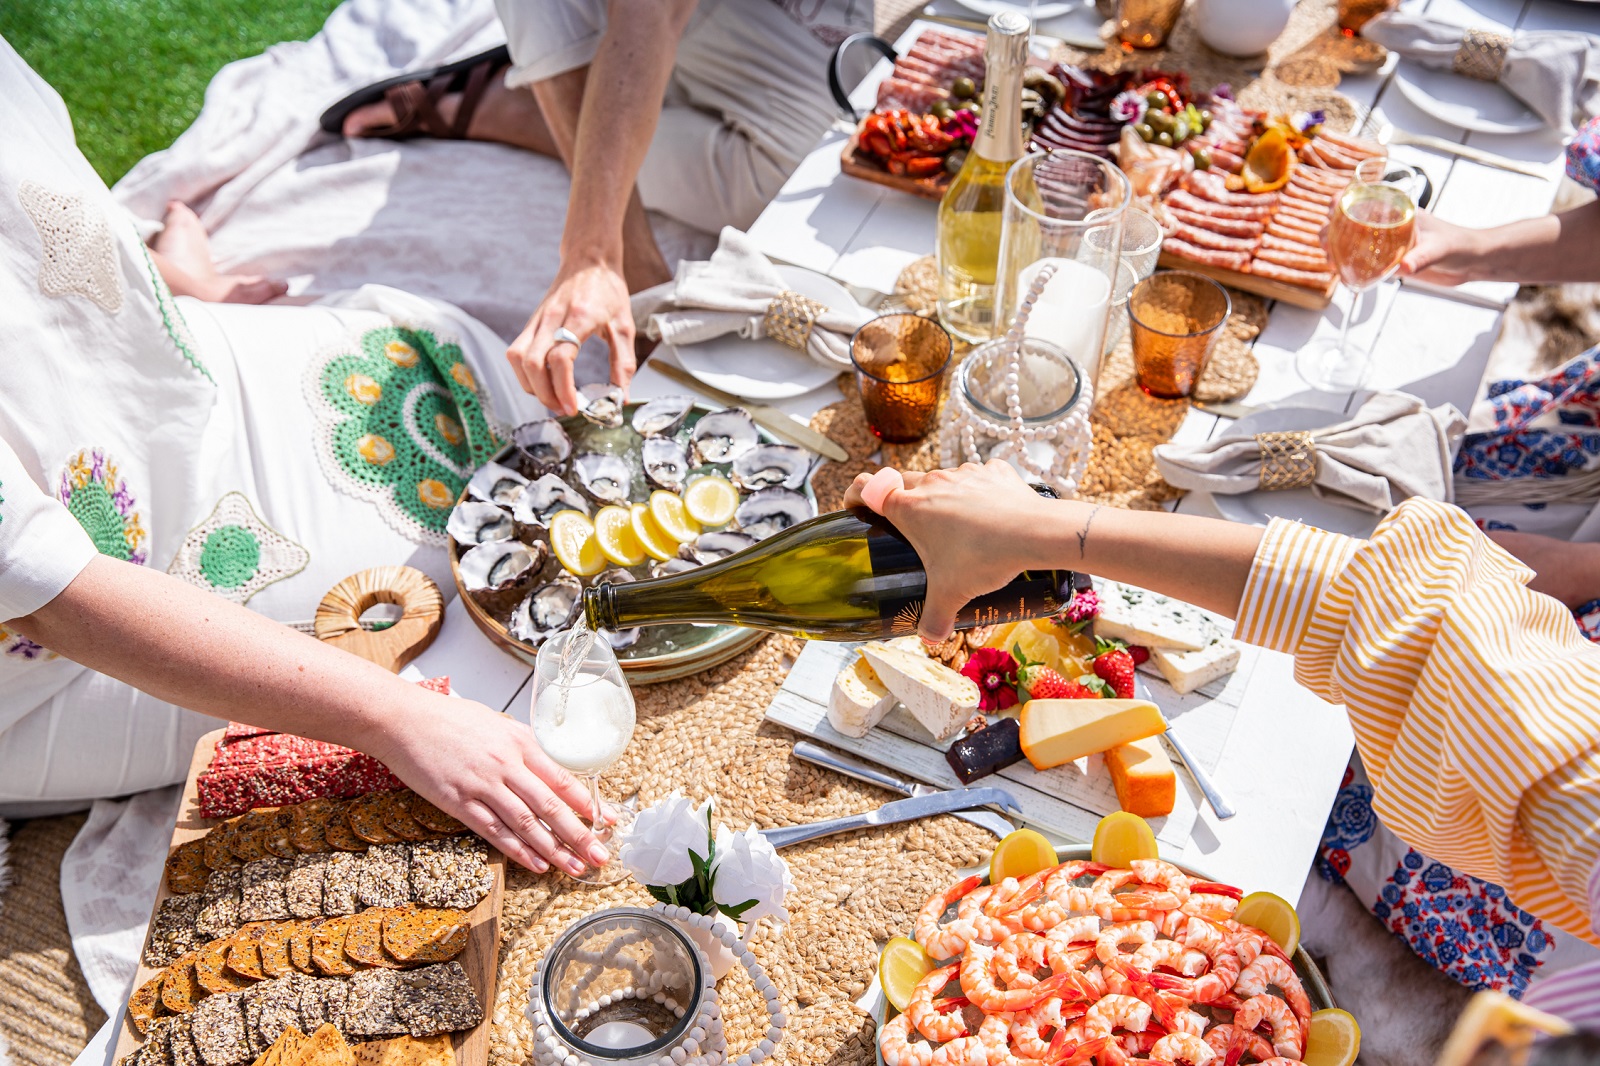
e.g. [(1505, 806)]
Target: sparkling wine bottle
[(970, 213), (849, 575)]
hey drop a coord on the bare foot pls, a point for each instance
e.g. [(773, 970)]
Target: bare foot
[(506, 116), (183, 255)]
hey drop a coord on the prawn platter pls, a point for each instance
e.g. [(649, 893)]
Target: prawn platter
[(1081, 963)]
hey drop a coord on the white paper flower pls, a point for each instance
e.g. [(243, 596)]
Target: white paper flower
[(748, 868), (657, 845)]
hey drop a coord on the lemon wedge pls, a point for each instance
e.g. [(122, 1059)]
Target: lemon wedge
[(613, 531), (1332, 1039), (902, 964), (711, 500), (1021, 853), (1274, 916), (572, 538), (672, 516), (650, 536), (1122, 837)]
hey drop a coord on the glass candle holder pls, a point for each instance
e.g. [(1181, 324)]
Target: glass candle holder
[(1175, 317), (900, 361), (1141, 249), (1146, 23)]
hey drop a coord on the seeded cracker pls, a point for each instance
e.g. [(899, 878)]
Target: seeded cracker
[(180, 991), (262, 891), (244, 951), (180, 1042), (451, 873), (303, 890), (277, 834), (327, 947), (385, 876), (322, 1002), (218, 847), (249, 839), (366, 818), (369, 1009), (157, 1050), (186, 868), (211, 968), (339, 883), (433, 818), (339, 835), (426, 935), (300, 945), (308, 824), (270, 1008), (173, 931), (219, 904), (219, 1034), (398, 820), (436, 999), (275, 961), (363, 943), (145, 1001)]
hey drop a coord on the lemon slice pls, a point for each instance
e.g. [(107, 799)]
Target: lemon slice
[(1274, 916), (1122, 837), (1333, 1038), (1021, 853), (711, 500), (672, 516), (902, 964), (647, 531), (572, 539), (613, 531)]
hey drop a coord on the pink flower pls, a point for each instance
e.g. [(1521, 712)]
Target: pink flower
[(995, 673), (1128, 107), (1084, 605)]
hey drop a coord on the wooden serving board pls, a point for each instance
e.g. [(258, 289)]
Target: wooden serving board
[(1272, 289), (480, 959), (858, 164)]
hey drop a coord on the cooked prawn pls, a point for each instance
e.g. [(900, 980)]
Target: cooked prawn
[(1115, 1012), (1108, 945), (1222, 1039), (1210, 905), (995, 1032), (1288, 1039), (1170, 1009), (1172, 955), (1183, 1047), (924, 1012), (1270, 970), (963, 1051), (1018, 956), (1173, 883), (944, 941), (975, 909), (896, 1040), (1028, 1027)]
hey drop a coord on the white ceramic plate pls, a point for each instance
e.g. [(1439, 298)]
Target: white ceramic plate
[(1464, 102), (764, 369), (987, 8), (1258, 508)]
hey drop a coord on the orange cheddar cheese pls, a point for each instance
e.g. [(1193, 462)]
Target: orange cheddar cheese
[(1055, 732), (1145, 781)]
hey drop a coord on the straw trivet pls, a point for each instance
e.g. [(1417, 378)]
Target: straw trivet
[(705, 736)]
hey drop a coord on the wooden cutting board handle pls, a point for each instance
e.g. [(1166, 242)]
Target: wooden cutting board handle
[(338, 619)]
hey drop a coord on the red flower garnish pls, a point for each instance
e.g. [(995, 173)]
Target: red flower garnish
[(995, 672)]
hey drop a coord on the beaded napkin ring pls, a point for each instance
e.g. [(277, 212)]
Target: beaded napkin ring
[(790, 319), (1288, 460)]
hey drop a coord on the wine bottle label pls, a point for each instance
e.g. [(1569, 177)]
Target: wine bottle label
[(1033, 595)]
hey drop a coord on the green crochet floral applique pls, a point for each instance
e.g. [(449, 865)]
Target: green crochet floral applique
[(401, 424), (172, 319), (96, 494), (235, 554)]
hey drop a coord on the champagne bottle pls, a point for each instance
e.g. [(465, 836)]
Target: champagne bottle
[(849, 575), (970, 213)]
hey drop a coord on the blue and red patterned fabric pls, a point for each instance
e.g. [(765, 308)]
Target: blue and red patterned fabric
[(1583, 156)]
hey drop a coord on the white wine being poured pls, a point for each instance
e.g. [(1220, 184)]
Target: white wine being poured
[(848, 575)]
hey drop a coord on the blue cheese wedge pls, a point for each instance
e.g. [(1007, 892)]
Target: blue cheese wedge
[(859, 700), (1186, 671), (1138, 616), (938, 697)]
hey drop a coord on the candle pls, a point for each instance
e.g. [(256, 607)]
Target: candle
[(619, 1035), (1071, 310)]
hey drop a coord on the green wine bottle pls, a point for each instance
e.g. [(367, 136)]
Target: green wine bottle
[(849, 575)]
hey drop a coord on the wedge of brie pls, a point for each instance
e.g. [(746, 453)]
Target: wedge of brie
[(859, 700), (1138, 616), (938, 697), (1188, 670)]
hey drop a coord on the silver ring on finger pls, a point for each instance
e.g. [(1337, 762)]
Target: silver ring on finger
[(563, 335)]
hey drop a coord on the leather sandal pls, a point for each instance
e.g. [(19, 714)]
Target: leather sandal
[(415, 98)]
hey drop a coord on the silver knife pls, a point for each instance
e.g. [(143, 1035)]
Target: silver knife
[(1208, 788), (817, 755), (779, 423), (1387, 133), (906, 810)]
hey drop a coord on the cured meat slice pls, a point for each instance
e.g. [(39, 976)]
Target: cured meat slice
[(915, 96), (1189, 202), (1309, 200), (1212, 187), (1317, 178), (1356, 146), (1284, 244), (1285, 220), (1208, 256), (1207, 239), (1300, 210), (1309, 154), (1226, 160), (1289, 233), (1307, 278), (1231, 227), (1309, 263)]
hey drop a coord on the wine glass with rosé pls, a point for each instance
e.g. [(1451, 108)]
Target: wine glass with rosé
[(1372, 226)]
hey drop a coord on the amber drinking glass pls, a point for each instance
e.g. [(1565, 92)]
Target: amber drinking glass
[(1146, 23), (1174, 319), (900, 361), (1354, 14)]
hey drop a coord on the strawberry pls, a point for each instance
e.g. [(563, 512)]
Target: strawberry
[(1044, 683), (1140, 653), (1115, 666)]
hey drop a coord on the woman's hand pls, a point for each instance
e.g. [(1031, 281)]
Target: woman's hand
[(1444, 253), (975, 528), (588, 298), (489, 771)]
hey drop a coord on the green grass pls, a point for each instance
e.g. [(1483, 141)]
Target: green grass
[(134, 72)]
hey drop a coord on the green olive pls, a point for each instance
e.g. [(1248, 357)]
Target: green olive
[(1180, 131), (953, 161), (1164, 139), (942, 109), (1201, 157), (972, 106), (1205, 118), (964, 88), (1157, 99), (1144, 131), (1159, 121)]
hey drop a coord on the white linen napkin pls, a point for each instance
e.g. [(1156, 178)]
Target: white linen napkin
[(730, 293), (1394, 448), (1557, 74)]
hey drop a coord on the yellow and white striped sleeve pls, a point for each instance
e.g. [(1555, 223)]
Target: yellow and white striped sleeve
[(1475, 701)]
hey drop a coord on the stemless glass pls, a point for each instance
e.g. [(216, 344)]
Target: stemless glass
[(1146, 23), (1371, 229), (583, 718), (1176, 317), (900, 361)]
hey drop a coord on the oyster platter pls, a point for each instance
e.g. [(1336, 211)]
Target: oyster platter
[(620, 492)]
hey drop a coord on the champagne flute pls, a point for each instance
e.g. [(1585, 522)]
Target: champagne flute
[(1371, 229), (583, 718)]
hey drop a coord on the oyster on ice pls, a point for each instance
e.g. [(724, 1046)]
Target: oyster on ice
[(476, 522), (768, 466), (547, 610), (672, 566), (605, 477), (661, 416), (601, 404), (626, 638), (772, 511), (501, 565), (545, 496), (494, 483), (723, 436), (666, 462), (709, 547), (543, 445)]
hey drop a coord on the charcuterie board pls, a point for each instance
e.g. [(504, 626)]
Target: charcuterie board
[(857, 164), (1294, 295)]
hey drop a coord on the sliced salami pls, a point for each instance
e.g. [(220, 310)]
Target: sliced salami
[(1231, 227), (1208, 256), (1189, 202), (1205, 238)]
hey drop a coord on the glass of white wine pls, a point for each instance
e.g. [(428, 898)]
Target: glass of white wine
[(583, 718)]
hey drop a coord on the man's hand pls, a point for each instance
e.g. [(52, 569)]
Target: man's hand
[(1444, 253), (587, 298)]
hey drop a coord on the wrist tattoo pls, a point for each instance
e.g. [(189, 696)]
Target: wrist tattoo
[(1083, 534)]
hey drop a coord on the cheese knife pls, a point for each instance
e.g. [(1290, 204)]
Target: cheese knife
[(778, 423), (906, 810), (817, 755)]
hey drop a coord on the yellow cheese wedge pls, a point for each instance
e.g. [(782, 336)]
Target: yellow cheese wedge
[(1145, 781), (1058, 731)]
